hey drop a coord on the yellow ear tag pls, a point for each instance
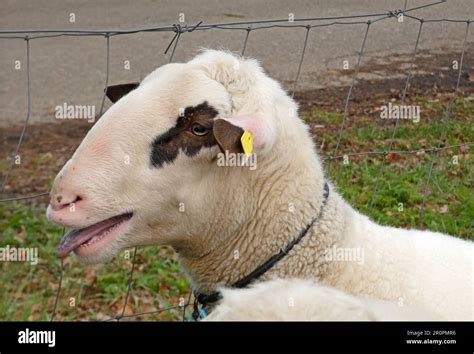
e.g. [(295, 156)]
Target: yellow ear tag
[(247, 142)]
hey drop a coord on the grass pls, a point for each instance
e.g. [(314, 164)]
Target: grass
[(97, 292), (403, 188), (404, 197), (93, 292)]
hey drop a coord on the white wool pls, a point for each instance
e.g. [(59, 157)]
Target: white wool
[(225, 221), (305, 300)]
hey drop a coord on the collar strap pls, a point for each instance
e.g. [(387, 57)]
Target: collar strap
[(207, 299)]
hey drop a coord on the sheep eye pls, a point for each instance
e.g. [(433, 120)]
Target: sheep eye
[(199, 130)]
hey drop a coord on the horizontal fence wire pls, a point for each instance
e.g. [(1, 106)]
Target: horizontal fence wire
[(248, 27), (323, 158)]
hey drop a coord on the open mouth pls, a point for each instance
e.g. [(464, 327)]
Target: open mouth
[(88, 240)]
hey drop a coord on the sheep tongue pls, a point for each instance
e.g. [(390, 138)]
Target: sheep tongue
[(77, 237), (71, 240)]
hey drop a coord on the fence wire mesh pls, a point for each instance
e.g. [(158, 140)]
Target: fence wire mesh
[(364, 22)]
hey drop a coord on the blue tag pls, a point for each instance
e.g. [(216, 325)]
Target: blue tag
[(202, 315)]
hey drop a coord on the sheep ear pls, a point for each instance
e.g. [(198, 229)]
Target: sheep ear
[(228, 136), (228, 133), (116, 92)]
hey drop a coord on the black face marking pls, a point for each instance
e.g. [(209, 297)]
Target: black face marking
[(165, 147)]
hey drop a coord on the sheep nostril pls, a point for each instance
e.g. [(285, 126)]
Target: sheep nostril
[(63, 201)]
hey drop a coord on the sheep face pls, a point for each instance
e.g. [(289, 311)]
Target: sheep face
[(146, 171)]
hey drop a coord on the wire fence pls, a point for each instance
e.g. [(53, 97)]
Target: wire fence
[(365, 21)]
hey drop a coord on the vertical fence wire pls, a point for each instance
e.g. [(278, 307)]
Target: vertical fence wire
[(402, 101), (185, 306), (178, 30), (247, 34), (447, 116), (28, 115), (107, 73), (129, 285), (308, 28), (348, 97), (58, 291), (175, 40)]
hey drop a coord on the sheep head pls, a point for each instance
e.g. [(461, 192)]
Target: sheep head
[(147, 172)]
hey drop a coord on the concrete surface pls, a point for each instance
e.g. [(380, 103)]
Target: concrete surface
[(72, 69)]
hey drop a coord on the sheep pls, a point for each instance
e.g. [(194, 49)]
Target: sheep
[(147, 174), (298, 299)]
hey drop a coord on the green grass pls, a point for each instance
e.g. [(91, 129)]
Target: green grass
[(445, 203), (402, 190), (28, 292)]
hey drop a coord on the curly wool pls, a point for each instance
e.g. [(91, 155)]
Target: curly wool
[(297, 300), (428, 270)]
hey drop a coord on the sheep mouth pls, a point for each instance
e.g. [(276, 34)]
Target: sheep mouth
[(89, 240)]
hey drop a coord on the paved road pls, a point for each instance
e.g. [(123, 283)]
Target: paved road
[(72, 69)]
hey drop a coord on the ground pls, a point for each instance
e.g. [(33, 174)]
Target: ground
[(72, 69), (98, 292)]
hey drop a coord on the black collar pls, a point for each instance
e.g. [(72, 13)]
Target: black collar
[(207, 299)]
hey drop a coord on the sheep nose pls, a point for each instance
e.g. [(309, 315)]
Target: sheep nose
[(62, 200)]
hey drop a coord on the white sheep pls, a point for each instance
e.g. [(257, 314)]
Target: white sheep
[(147, 173), (297, 300)]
